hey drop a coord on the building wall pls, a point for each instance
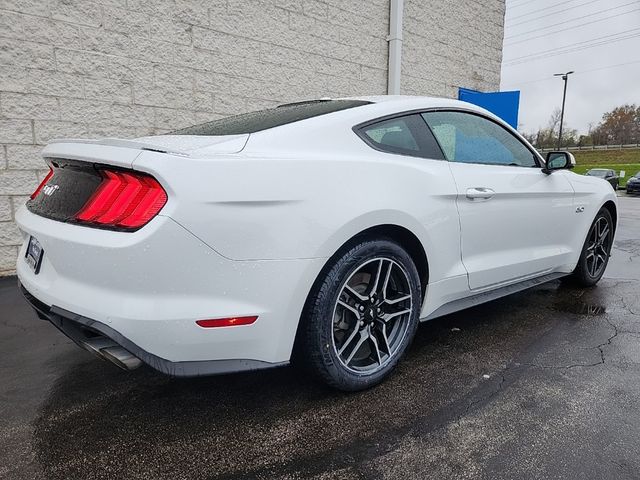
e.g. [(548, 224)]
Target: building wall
[(82, 68), (449, 44)]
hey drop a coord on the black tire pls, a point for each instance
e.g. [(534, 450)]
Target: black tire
[(316, 345), (585, 273)]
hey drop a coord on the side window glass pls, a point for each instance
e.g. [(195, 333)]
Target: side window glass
[(394, 133), (469, 138)]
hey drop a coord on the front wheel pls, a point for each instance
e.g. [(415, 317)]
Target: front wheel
[(596, 250), (361, 316)]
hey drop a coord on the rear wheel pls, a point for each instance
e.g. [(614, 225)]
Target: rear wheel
[(596, 250), (362, 316)]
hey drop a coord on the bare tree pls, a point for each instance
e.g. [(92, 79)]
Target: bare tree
[(548, 137)]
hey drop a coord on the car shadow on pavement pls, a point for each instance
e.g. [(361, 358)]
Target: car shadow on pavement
[(273, 423)]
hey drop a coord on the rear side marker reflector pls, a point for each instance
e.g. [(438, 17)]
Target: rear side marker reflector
[(126, 200), (42, 184), (227, 322)]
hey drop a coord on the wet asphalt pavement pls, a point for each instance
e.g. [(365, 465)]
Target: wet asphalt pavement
[(541, 384)]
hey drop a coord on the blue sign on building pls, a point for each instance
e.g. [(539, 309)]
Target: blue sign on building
[(503, 104)]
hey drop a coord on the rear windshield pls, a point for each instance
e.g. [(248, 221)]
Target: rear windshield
[(272, 117), (597, 173)]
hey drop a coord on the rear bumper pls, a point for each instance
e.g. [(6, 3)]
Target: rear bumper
[(146, 289), (80, 329), (635, 188)]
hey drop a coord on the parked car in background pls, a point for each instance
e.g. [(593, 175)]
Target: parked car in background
[(322, 231), (606, 174), (633, 184)]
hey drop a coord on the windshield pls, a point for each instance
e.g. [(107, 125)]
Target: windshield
[(272, 117), (597, 173)]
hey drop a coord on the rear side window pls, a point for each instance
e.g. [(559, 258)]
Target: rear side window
[(270, 118), (405, 135), (395, 134)]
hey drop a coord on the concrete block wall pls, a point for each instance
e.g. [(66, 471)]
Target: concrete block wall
[(449, 44), (127, 68)]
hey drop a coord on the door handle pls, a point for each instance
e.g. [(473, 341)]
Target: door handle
[(482, 193)]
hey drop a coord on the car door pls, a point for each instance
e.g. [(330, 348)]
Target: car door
[(516, 221)]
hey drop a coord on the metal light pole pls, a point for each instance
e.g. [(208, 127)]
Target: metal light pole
[(565, 77)]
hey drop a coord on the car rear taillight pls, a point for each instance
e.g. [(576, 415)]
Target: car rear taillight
[(127, 200), (42, 184)]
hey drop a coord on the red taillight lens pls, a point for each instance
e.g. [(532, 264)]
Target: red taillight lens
[(42, 184), (123, 199), (227, 322)]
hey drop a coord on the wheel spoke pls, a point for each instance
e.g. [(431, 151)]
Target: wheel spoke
[(604, 251), (350, 308), (397, 300), (374, 288), (352, 335), (386, 281), (361, 340), (604, 234), (385, 338), (355, 295), (375, 344), (390, 316), (593, 268)]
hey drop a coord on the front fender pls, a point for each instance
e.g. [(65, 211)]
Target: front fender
[(591, 194)]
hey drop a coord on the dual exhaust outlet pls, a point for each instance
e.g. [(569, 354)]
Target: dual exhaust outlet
[(109, 350)]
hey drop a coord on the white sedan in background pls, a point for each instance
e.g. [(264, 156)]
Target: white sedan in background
[(322, 231)]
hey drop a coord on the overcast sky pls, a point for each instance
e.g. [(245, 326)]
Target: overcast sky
[(537, 31)]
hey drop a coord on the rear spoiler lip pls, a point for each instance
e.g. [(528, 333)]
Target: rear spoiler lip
[(203, 147), (118, 142)]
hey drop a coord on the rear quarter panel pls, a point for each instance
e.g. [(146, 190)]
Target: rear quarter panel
[(295, 206)]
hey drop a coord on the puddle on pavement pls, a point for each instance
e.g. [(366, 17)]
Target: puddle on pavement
[(579, 308)]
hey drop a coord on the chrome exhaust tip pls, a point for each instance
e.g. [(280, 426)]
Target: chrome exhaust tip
[(107, 349), (95, 345), (121, 357)]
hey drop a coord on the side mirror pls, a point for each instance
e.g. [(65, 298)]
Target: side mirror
[(559, 161)]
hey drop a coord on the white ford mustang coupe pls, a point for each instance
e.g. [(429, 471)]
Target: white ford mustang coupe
[(321, 232)]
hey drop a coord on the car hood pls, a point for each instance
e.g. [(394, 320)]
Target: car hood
[(590, 182)]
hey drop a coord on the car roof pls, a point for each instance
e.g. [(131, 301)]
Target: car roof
[(400, 102), (338, 125)]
